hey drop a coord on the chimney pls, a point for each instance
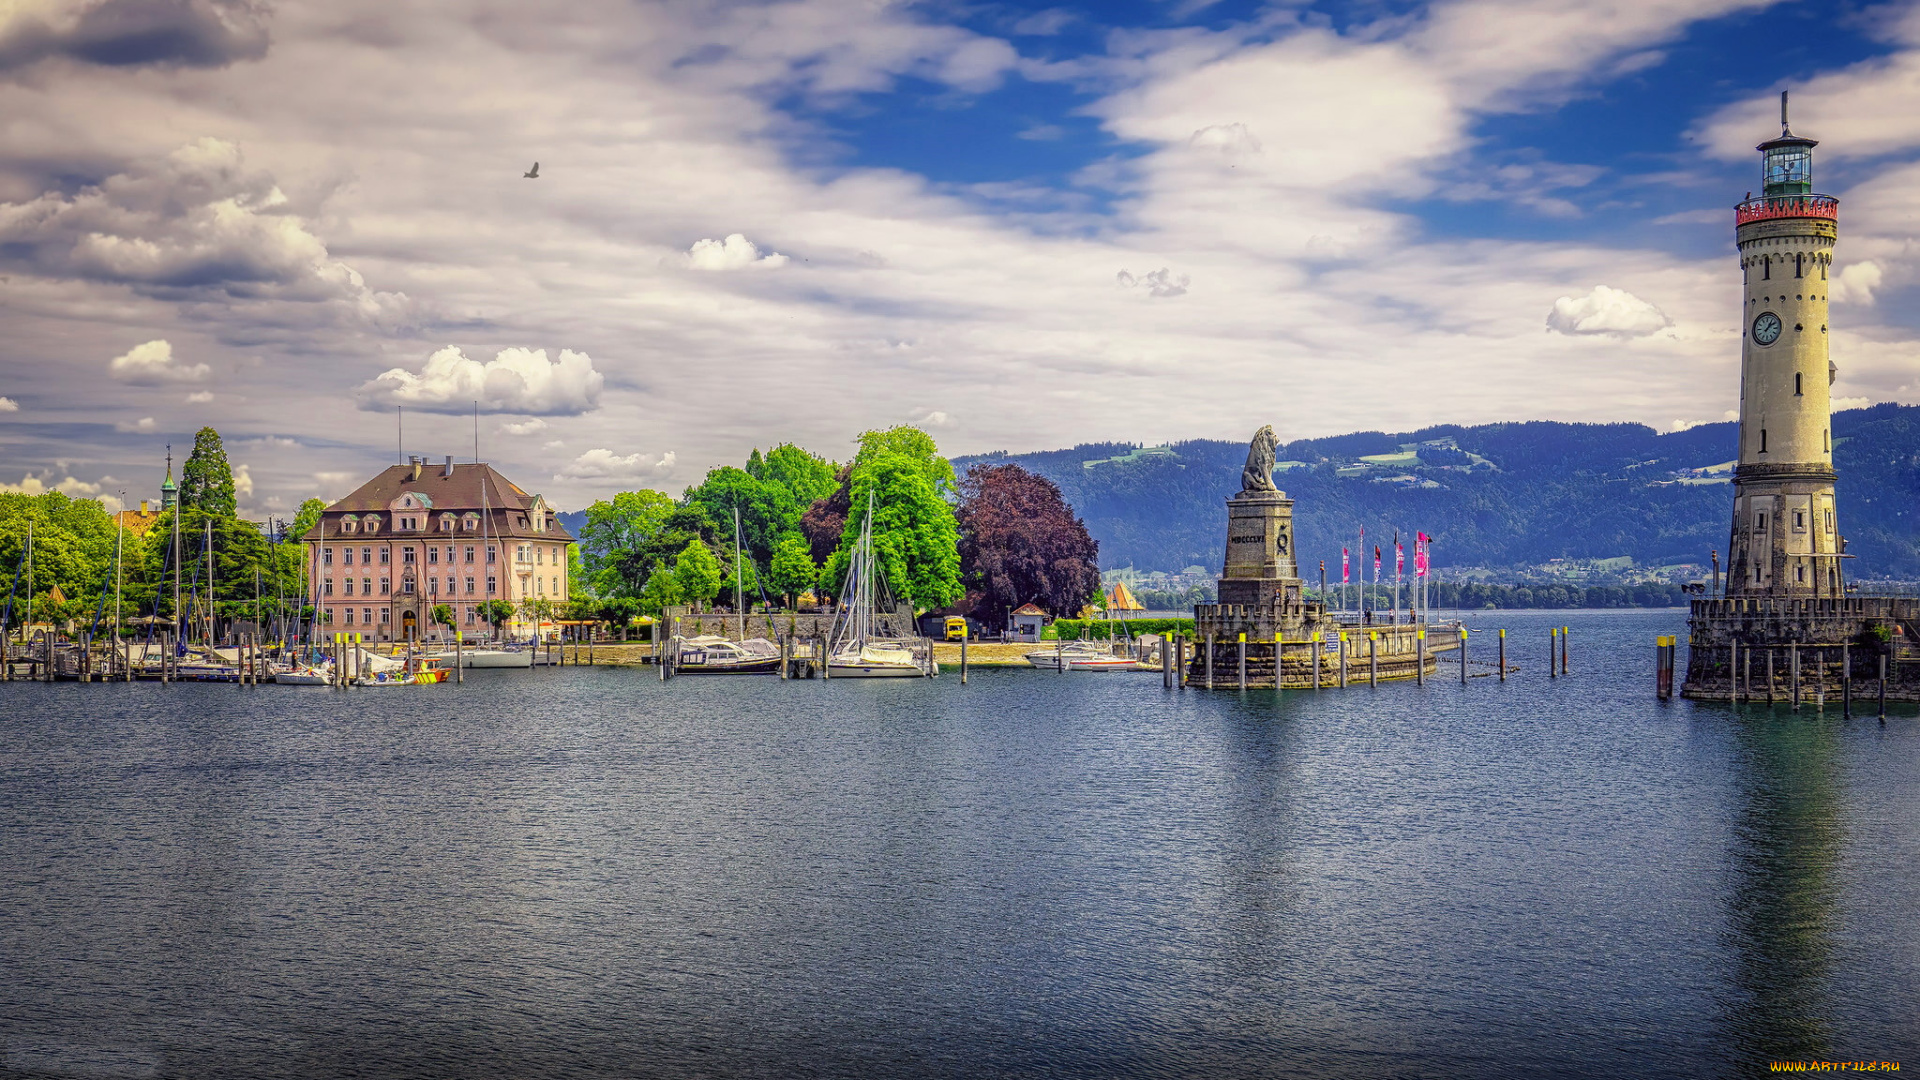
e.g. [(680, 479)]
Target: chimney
[(448, 472), (414, 474), (143, 506)]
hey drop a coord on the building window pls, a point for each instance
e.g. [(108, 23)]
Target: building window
[(1800, 573), (349, 523), (386, 556), (1760, 522), (1766, 268), (492, 555), (366, 615), (386, 616), (366, 586), (386, 586), (433, 555), (349, 616), (469, 554), (1799, 519), (1763, 440), (346, 556), (327, 589), (469, 586), (540, 555), (539, 586), (406, 555), (349, 584), (371, 524), (1829, 521), (433, 586), (326, 556), (470, 613), (556, 586), (493, 585), (1798, 264), (446, 522), (406, 586)]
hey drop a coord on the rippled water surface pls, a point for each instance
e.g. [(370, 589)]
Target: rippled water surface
[(592, 873)]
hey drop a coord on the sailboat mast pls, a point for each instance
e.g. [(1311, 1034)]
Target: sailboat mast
[(119, 541), (739, 578), (209, 556), (178, 615), (29, 571)]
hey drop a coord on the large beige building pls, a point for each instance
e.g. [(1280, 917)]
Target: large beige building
[(1785, 541), (418, 535)]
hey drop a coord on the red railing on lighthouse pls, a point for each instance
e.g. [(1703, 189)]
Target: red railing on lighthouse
[(1787, 206)]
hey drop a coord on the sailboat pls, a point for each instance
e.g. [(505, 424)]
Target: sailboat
[(713, 655), (856, 653)]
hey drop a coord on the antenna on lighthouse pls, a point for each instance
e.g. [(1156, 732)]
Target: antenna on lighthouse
[(1783, 113)]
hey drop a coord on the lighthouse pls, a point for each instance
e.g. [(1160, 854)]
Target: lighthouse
[(1785, 539)]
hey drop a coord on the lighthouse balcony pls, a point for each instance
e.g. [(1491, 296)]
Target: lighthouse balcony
[(1770, 207)]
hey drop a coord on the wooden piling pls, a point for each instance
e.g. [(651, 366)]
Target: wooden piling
[(1769, 675), (1243, 663), (1209, 661), (1341, 648), (1793, 673), (1463, 656), (1565, 632), (1373, 658), (1733, 670), (1316, 661), (1883, 686), (1503, 655), (1420, 658), (1846, 680)]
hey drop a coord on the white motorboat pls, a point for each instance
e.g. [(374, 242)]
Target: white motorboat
[(493, 658), (1080, 656), (304, 676), (711, 655)]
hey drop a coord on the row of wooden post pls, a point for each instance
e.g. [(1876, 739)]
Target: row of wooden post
[(1173, 658), (1740, 674)]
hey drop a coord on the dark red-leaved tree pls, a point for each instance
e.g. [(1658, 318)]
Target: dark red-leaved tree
[(826, 519), (1020, 543)]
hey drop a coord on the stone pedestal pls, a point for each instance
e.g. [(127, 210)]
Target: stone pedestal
[(1260, 565)]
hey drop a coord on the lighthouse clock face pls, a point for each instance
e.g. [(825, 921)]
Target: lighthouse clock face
[(1766, 328)]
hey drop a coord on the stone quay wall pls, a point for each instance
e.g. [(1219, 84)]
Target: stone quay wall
[(1395, 649), (1748, 647)]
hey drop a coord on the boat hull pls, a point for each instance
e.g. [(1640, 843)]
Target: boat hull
[(838, 670), (495, 658), (769, 665)]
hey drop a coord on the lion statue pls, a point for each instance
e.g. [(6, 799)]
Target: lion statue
[(1258, 475)]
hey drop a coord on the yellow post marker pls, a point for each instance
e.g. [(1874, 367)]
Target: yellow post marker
[(1243, 662), (1314, 641), (1420, 657), (1373, 658), (1341, 647), (1277, 643)]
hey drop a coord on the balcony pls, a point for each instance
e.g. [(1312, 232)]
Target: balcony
[(1786, 206)]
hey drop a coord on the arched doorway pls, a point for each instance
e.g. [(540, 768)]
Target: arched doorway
[(408, 625)]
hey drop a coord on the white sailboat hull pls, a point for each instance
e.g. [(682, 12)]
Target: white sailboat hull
[(851, 669)]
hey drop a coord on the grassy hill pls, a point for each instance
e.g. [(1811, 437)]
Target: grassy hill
[(1493, 495)]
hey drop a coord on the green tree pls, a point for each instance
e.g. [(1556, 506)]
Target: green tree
[(661, 591), (748, 579), (496, 613), (72, 547), (697, 572), (615, 528), (915, 539), (305, 518), (804, 478), (206, 481), (683, 524), (916, 543), (442, 614), (793, 570)]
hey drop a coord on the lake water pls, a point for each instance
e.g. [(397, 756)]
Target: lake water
[(592, 873)]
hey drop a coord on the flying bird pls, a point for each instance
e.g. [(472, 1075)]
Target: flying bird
[(533, 173)]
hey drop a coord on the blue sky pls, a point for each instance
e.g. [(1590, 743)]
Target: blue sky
[(1019, 226)]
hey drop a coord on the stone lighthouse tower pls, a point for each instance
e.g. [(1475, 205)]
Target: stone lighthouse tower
[(1785, 542)]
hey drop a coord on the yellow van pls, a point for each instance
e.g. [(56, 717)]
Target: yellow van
[(956, 628)]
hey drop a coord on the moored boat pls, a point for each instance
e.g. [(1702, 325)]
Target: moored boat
[(712, 655), (1080, 656)]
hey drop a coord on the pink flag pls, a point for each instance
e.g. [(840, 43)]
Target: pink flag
[(1420, 555), (1399, 559), (1345, 576)]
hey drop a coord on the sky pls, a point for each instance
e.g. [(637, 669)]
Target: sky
[(1020, 227)]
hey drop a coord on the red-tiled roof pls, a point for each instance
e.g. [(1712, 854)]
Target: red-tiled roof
[(1029, 609), (459, 494)]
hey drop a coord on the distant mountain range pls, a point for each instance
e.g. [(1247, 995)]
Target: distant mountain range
[(1495, 495)]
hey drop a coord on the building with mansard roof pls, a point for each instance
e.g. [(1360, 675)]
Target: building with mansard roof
[(419, 535)]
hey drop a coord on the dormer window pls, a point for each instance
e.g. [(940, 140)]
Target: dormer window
[(349, 524), (371, 523), (446, 522), (471, 522)]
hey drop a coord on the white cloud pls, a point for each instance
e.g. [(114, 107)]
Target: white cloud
[(199, 397), (514, 381), (736, 252), (1851, 403), (242, 482), (152, 363), (142, 425), (1855, 283), (603, 464), (930, 418), (524, 427), (7, 404), (1607, 310), (1228, 140), (34, 485), (1162, 282)]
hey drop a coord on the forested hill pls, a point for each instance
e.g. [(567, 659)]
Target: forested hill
[(1495, 495)]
